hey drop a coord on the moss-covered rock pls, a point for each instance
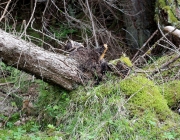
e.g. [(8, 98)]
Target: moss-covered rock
[(171, 92), (144, 95)]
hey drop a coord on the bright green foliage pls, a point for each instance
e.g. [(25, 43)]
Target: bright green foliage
[(100, 112), (171, 92), (52, 103), (124, 59), (144, 95), (20, 133), (61, 31), (161, 3), (171, 17)]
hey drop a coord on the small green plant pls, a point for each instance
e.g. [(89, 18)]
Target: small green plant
[(15, 76), (50, 126), (169, 135), (62, 31), (52, 101), (31, 126), (18, 134)]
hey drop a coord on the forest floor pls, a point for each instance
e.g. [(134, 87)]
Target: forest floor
[(136, 107)]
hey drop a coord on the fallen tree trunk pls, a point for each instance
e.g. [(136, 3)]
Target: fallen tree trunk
[(57, 68)]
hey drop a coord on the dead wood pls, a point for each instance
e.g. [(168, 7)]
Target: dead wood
[(173, 34), (172, 30), (80, 66), (51, 67)]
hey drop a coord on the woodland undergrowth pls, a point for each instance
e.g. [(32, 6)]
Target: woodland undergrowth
[(143, 104)]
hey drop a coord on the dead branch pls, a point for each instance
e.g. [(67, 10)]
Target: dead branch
[(5, 10), (143, 46), (55, 68), (165, 65)]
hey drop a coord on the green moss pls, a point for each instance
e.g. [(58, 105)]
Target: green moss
[(124, 59), (166, 8), (171, 18), (169, 8), (144, 95), (171, 92), (161, 3)]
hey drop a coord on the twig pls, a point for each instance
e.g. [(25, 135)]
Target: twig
[(164, 35), (59, 42), (93, 25), (5, 84), (3, 3), (55, 50), (166, 64), (5, 10), (10, 114), (131, 36), (32, 15), (143, 46)]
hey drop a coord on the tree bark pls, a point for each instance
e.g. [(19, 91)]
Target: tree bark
[(57, 68), (139, 21)]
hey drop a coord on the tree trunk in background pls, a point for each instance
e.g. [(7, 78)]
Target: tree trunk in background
[(49, 66), (139, 21)]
